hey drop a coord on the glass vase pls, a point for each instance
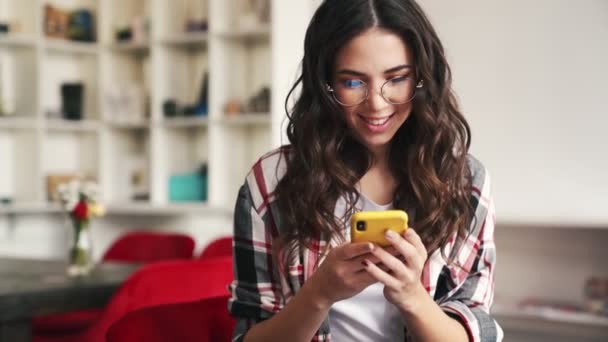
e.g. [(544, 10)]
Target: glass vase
[(80, 256)]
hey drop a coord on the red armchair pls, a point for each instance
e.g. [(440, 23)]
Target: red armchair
[(138, 246), (159, 283), (217, 248), (206, 320), (150, 246)]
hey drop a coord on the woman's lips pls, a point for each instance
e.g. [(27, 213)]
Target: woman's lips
[(376, 125)]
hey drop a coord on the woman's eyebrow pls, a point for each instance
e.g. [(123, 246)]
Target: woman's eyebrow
[(398, 68), (361, 74)]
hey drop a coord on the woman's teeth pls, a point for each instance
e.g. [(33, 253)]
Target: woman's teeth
[(376, 122)]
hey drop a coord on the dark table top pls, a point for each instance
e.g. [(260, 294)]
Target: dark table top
[(30, 287)]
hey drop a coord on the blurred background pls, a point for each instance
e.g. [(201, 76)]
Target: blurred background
[(165, 105)]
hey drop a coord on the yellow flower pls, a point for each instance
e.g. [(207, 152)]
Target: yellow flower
[(96, 210)]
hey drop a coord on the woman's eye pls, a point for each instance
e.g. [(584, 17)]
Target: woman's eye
[(399, 79), (352, 83)]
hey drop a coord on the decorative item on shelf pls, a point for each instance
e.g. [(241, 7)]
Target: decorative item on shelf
[(140, 182), (254, 14), (189, 187), (4, 27), (200, 108), (260, 102), (55, 22), (125, 103), (171, 108), (196, 25), (232, 107), (53, 180), (81, 26), (72, 95), (137, 31), (132, 181), (76, 25), (596, 295), (196, 16), (123, 34), (80, 201)]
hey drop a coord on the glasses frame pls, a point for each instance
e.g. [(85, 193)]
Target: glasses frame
[(419, 85)]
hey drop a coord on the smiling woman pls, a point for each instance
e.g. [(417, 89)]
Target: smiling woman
[(375, 127), (384, 61)]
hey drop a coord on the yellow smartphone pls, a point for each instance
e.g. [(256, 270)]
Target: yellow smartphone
[(371, 225)]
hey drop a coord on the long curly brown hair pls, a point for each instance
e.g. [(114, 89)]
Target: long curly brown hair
[(427, 156)]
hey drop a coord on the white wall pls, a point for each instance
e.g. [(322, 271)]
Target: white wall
[(531, 79), (531, 76)]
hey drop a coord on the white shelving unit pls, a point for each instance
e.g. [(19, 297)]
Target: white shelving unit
[(167, 64)]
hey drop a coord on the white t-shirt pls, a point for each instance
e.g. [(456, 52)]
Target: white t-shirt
[(368, 316)]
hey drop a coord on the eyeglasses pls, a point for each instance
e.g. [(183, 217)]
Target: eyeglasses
[(397, 90)]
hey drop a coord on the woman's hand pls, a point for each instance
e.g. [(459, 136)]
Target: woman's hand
[(400, 276), (342, 274)]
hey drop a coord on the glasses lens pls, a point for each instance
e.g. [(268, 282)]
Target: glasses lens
[(350, 92), (399, 90)]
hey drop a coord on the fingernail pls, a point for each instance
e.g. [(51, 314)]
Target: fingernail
[(391, 234), (371, 246), (410, 232)]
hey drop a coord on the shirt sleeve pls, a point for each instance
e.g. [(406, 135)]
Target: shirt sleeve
[(255, 291), (470, 302)]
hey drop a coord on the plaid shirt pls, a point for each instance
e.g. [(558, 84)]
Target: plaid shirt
[(260, 290)]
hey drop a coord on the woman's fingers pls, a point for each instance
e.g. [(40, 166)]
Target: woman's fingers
[(406, 249), (412, 237), (381, 275)]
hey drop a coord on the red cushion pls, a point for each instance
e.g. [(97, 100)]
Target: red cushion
[(217, 248), (145, 246), (165, 283), (206, 320)]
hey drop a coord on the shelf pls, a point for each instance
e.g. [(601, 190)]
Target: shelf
[(186, 39), (17, 122), (30, 208), (599, 224), (135, 208), (17, 40), (73, 47), (139, 47), (251, 119), (130, 125), (73, 125), (550, 316), (186, 122), (258, 34), (129, 208)]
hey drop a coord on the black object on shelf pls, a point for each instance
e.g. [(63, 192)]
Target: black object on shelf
[(201, 107), (4, 27), (124, 34), (72, 95), (194, 25), (170, 108)]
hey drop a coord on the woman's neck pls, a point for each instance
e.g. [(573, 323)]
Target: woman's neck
[(378, 183), (380, 154)]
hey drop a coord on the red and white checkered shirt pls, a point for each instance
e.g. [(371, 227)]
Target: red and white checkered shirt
[(464, 289)]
